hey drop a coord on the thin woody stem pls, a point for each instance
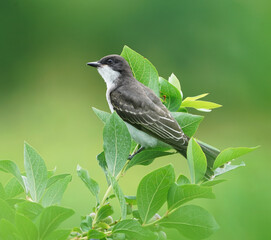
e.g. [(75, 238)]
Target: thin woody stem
[(110, 187)]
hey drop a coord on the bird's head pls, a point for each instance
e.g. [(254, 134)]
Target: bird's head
[(111, 67)]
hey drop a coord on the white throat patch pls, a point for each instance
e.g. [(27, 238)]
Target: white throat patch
[(109, 75)]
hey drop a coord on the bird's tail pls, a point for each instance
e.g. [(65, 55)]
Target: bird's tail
[(210, 153)]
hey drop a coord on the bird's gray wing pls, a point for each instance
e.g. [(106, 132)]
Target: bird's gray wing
[(146, 114)]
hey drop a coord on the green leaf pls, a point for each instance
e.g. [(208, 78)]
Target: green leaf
[(101, 160), (230, 154), (8, 231), (2, 192), (55, 178), (54, 193), (183, 180), (212, 183), (119, 194), (26, 228), (6, 211), (132, 230), (101, 114), (131, 200), (50, 173), (103, 225), (95, 234), (178, 195), (175, 82), (196, 160), (104, 212), (36, 172), (102, 163), (117, 143), (191, 99), (192, 102), (60, 234), (86, 223), (170, 95), (14, 201), (142, 69), (13, 188), (146, 157), (51, 217), (152, 191), (10, 167), (191, 221), (227, 168), (188, 122), (29, 209), (91, 184)]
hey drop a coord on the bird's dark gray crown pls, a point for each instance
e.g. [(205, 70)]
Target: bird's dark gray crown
[(117, 63)]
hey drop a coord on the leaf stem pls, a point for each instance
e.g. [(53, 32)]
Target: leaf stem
[(109, 190), (156, 221)]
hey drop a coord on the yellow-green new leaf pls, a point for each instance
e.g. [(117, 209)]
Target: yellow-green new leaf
[(199, 105), (190, 99)]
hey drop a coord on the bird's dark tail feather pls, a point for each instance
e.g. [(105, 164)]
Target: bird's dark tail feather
[(210, 153)]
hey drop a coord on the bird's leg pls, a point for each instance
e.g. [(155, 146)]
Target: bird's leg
[(138, 151)]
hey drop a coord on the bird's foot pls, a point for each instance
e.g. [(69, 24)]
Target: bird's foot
[(138, 151)]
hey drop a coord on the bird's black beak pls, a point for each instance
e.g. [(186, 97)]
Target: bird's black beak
[(94, 64)]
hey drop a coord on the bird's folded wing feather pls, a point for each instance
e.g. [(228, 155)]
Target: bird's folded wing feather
[(149, 116)]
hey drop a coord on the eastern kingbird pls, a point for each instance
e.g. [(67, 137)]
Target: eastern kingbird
[(149, 122)]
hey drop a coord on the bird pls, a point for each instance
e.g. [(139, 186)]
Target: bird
[(148, 120)]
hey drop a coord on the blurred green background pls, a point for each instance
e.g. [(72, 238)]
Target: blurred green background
[(216, 46)]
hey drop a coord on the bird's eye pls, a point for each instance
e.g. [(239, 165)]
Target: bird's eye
[(109, 61)]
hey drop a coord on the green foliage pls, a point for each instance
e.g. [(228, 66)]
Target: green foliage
[(191, 221), (36, 172), (117, 143), (147, 156), (142, 69), (182, 180), (196, 161), (29, 202), (170, 95), (118, 192), (230, 154), (193, 102), (10, 167), (152, 191), (91, 184), (188, 122), (178, 195), (31, 215), (132, 229)]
